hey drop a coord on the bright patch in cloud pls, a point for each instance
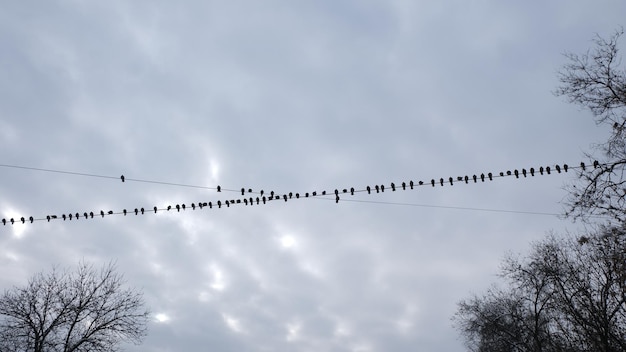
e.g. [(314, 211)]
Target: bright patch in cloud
[(161, 318), (232, 323), (218, 282), (18, 228), (214, 169), (293, 331), (287, 241)]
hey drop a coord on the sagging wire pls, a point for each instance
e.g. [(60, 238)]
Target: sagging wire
[(263, 198)]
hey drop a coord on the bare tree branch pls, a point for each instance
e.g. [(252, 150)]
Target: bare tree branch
[(72, 311), (596, 81)]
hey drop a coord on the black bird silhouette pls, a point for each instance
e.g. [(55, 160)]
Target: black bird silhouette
[(411, 184), (501, 174), (249, 190), (257, 200), (142, 210), (261, 193), (565, 167), (306, 195), (12, 221), (336, 199), (382, 188), (475, 178), (404, 186), (369, 190), (193, 206), (110, 212), (219, 204), (227, 204), (70, 216), (123, 178), (85, 215), (441, 181), (102, 213), (323, 193), (243, 191), (271, 194), (169, 207), (582, 166), (558, 168), (285, 197), (596, 164), (64, 217), (467, 179), (219, 189), (183, 206), (541, 170), (90, 214), (314, 194), (264, 199), (508, 173), (450, 180), (548, 169), (393, 187), (210, 205), (377, 189), (251, 200), (23, 220), (53, 216), (532, 171), (490, 175), (124, 211), (155, 209), (524, 172), (351, 191), (290, 195), (297, 195), (245, 201), (77, 216), (516, 173), (4, 221), (336, 192), (432, 182), (345, 190), (482, 177), (177, 207), (31, 219)]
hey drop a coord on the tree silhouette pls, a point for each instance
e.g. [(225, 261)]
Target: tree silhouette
[(86, 309), (596, 81)]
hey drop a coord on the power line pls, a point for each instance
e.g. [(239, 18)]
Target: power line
[(264, 198)]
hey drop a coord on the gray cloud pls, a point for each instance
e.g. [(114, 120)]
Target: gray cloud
[(288, 98)]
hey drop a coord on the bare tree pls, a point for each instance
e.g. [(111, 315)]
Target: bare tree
[(87, 309), (567, 295), (596, 81)]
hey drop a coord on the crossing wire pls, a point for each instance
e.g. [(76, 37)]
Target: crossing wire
[(261, 197)]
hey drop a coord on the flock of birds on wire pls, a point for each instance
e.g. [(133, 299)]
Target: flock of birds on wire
[(263, 197)]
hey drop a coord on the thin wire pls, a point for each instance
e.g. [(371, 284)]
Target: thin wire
[(108, 177), (55, 171), (444, 207), (441, 181), (285, 197)]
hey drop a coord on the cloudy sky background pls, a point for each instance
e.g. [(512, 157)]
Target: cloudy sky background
[(291, 97)]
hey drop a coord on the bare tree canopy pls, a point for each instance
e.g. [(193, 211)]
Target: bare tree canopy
[(597, 81), (87, 309), (567, 295)]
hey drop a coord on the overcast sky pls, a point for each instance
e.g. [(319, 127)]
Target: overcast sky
[(297, 97)]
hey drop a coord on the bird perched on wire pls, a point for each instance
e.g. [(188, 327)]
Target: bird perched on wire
[(123, 178)]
